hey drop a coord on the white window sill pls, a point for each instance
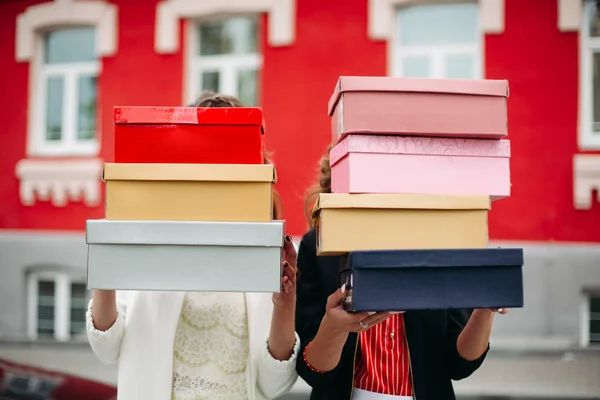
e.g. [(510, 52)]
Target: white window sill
[(59, 181), (586, 179), (60, 151), (590, 142)]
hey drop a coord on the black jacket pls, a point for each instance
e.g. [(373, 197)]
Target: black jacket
[(431, 336)]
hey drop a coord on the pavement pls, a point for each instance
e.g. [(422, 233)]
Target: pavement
[(516, 375)]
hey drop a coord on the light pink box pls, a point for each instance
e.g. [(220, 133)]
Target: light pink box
[(469, 108), (422, 165)]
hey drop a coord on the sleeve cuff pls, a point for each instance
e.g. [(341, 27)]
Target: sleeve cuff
[(476, 361), (275, 364), (111, 333)]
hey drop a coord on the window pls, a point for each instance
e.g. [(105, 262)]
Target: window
[(57, 306), (25, 383), (594, 326), (590, 77), (437, 41), (226, 58), (68, 72)]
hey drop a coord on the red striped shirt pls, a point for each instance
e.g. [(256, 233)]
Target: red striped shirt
[(384, 364)]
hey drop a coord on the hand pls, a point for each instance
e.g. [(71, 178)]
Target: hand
[(491, 311), (341, 321), (287, 297)]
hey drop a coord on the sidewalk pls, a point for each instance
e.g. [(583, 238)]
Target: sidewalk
[(549, 373), (567, 375)]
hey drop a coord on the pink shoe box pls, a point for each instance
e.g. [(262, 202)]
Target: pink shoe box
[(469, 108), (384, 164)]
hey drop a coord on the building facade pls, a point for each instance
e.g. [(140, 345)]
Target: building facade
[(66, 63)]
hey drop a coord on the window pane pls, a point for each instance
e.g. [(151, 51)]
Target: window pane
[(595, 305), (595, 327), (232, 36), (70, 45), (45, 308), (247, 87), (594, 19), (54, 108), (415, 67), (596, 93), (86, 116), (460, 66), (438, 24), (78, 307), (210, 81)]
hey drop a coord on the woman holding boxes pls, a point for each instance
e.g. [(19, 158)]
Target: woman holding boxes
[(385, 355), (181, 346)]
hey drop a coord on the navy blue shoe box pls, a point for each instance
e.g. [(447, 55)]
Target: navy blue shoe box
[(404, 280)]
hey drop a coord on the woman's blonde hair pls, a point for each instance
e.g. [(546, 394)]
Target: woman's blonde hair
[(322, 186), (213, 99)]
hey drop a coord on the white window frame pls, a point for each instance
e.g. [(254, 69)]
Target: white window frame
[(62, 302), (68, 145), (436, 54), (584, 320), (281, 18), (51, 15), (227, 65), (58, 178), (588, 139)]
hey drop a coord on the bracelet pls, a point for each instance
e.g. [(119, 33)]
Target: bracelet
[(313, 369)]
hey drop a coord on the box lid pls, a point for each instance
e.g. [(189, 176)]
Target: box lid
[(401, 201), (481, 87), (188, 115), (432, 258), (391, 144), (189, 172), (267, 234)]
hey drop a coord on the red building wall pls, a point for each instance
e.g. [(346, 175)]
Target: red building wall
[(540, 63), (542, 67), (298, 82)]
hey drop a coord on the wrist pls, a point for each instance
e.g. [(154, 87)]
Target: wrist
[(329, 331), (286, 308), (482, 316), (483, 313)]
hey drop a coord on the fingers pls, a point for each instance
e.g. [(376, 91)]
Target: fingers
[(335, 299), (376, 318), (373, 319), (502, 311), (289, 271), (289, 250), (286, 285), (366, 323)]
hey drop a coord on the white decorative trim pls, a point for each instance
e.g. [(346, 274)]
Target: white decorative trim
[(382, 13), (281, 29), (60, 13), (569, 15), (59, 181), (491, 14), (586, 178)]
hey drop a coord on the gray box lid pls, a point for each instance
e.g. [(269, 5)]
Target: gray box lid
[(268, 234)]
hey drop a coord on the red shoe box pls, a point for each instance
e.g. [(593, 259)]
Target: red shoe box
[(188, 135)]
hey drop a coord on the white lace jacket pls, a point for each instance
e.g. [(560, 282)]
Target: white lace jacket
[(142, 339)]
